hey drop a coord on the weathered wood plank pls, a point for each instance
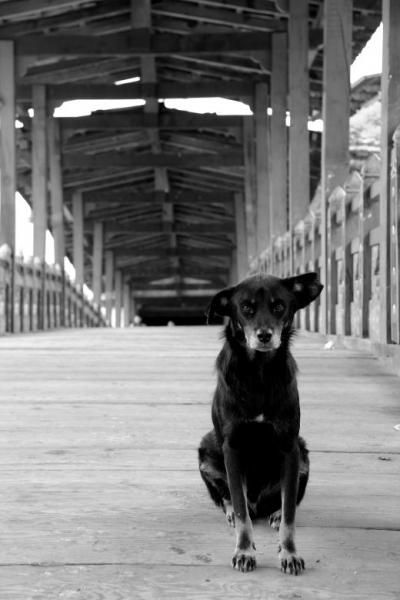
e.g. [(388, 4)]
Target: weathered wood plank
[(98, 438)]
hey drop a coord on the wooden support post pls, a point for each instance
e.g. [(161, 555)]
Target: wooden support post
[(390, 119), (118, 297), (127, 304), (109, 259), (299, 162), (97, 262), (336, 111), (7, 145), (249, 188), (78, 253), (262, 167), (57, 205), (8, 165), (279, 149), (39, 171), (56, 191), (241, 246)]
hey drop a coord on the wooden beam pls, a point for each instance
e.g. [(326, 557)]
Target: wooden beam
[(336, 113), (262, 166), (132, 91), (19, 8), (7, 145), (130, 252), (127, 303), (132, 120), (39, 172), (149, 159), (118, 297), (135, 227), (131, 196), (139, 42), (279, 135), (241, 242), (109, 276), (56, 191), (97, 262), (249, 159), (390, 118), (78, 254), (299, 161)]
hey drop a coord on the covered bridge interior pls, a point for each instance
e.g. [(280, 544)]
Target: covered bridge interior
[(157, 208)]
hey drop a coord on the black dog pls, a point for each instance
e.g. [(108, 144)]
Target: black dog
[(253, 462)]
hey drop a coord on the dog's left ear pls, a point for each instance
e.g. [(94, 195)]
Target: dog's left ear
[(305, 288), (220, 305)]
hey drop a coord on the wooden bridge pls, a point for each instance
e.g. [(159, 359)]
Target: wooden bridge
[(100, 492), (158, 208)]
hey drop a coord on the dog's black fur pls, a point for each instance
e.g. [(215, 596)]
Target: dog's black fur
[(253, 462)]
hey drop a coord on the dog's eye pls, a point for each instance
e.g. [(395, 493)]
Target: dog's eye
[(278, 308), (247, 308)]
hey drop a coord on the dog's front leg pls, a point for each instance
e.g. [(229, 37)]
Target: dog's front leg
[(289, 486), (244, 557)]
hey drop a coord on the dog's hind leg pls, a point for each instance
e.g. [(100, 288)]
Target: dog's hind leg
[(213, 472)]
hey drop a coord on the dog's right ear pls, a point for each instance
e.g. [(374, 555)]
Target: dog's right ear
[(220, 305)]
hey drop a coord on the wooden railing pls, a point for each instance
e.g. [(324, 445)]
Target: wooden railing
[(352, 285), (36, 296)]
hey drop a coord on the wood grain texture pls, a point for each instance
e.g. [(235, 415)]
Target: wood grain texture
[(100, 493)]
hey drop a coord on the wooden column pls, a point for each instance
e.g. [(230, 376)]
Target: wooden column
[(7, 145), (262, 167), (336, 112), (39, 171), (390, 112), (56, 190), (8, 164), (118, 297), (97, 262), (249, 187), (279, 135), (127, 304), (299, 162), (241, 245), (109, 259), (78, 253)]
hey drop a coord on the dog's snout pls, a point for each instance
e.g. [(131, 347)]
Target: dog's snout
[(264, 335)]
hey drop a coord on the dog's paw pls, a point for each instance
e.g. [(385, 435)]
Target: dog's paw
[(291, 563), (275, 520), (244, 560)]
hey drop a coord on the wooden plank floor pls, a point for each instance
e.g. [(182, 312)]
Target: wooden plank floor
[(99, 489)]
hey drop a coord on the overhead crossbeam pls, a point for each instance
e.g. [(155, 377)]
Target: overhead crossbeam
[(82, 91), (152, 159), (139, 121), (138, 42)]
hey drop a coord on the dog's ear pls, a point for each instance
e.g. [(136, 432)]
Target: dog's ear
[(305, 288), (220, 305)]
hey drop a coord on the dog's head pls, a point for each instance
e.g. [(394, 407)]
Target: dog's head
[(261, 308)]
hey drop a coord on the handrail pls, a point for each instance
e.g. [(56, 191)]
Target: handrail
[(35, 296)]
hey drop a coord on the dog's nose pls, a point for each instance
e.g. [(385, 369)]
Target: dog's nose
[(264, 335)]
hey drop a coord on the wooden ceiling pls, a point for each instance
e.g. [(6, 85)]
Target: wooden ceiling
[(163, 181)]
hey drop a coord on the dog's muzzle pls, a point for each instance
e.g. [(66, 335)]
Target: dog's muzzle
[(262, 340)]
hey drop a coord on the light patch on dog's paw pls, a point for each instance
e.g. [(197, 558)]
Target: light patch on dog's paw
[(230, 515), (291, 562)]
